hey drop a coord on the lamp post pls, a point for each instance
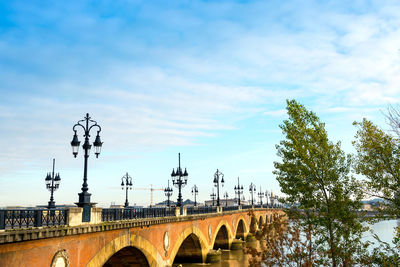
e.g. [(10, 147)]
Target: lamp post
[(238, 191), (261, 196), (271, 199), (126, 183), (52, 183), (88, 124), (217, 181), (195, 192), (168, 193), (179, 179), (213, 195), (226, 198), (266, 197), (252, 189)]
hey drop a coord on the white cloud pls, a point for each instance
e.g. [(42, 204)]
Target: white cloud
[(168, 83), (277, 113)]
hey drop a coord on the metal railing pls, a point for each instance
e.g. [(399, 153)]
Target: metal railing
[(54, 217), (200, 210), (25, 218), (135, 213), (228, 208)]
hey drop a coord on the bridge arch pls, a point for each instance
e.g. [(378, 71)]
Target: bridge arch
[(223, 236), (132, 244), (241, 228), (127, 256), (260, 222), (194, 235)]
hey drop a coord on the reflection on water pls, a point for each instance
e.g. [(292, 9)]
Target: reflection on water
[(384, 229), (233, 258)]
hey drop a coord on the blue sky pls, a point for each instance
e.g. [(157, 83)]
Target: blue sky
[(208, 79)]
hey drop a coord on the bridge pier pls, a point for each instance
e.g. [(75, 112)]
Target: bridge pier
[(75, 216)]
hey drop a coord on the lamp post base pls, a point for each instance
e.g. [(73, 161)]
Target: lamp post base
[(84, 202), (84, 199), (51, 205)]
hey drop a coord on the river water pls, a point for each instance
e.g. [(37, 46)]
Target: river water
[(384, 229)]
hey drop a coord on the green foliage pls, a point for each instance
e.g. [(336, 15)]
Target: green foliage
[(378, 159), (315, 174), (386, 254), (283, 244)]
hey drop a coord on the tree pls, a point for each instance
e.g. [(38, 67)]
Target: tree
[(378, 160), (283, 244), (315, 174), (393, 118)]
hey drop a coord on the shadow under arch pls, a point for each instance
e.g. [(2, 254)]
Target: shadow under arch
[(221, 239), (127, 257), (241, 229), (222, 235), (192, 237), (260, 222), (134, 243), (189, 251)]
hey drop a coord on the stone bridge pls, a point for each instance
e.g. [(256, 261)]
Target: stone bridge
[(161, 241)]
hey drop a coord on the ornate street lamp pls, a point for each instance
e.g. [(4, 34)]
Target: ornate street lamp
[(195, 192), (276, 201), (88, 124), (252, 189), (213, 195), (266, 197), (260, 196), (217, 181), (271, 199), (226, 198), (168, 193), (278, 204), (179, 179), (238, 191), (52, 184), (126, 183)]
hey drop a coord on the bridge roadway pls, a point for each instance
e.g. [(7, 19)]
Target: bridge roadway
[(158, 241)]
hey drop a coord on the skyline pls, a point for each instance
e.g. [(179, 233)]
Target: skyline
[(208, 80)]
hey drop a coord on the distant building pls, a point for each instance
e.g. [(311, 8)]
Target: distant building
[(64, 206), (366, 206), (17, 208), (372, 204), (114, 206), (231, 202), (164, 204), (186, 203)]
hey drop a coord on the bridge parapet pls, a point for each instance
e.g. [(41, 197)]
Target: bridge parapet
[(73, 223), (28, 218)]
